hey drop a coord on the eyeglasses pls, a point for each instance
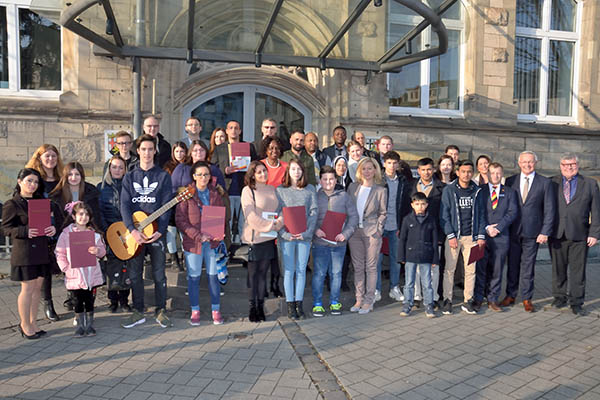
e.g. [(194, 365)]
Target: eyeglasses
[(151, 126), (572, 165), (202, 175), (123, 143)]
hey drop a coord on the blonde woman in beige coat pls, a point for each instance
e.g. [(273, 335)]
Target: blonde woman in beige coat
[(365, 244)]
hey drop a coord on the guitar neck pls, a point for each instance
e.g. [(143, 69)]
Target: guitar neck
[(156, 214)]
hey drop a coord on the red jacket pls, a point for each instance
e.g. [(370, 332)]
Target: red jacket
[(187, 219)]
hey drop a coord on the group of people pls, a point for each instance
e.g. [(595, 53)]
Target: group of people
[(427, 223)]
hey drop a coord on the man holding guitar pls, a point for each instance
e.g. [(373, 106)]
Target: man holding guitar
[(147, 188)]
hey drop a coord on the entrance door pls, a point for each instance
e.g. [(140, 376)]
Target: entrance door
[(249, 105)]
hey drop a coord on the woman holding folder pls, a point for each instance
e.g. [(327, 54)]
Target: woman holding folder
[(298, 199), (371, 203), (259, 204), (29, 259), (337, 219), (199, 246)]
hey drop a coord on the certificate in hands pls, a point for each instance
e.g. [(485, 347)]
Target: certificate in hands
[(240, 156), (476, 253), (79, 244), (38, 214), (294, 219), (332, 225), (271, 216), (212, 222)]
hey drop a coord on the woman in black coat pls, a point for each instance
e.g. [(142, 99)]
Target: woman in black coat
[(110, 195), (30, 258)]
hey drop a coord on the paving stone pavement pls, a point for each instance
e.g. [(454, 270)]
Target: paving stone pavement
[(510, 355)]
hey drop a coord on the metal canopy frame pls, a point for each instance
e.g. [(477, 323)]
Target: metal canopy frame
[(431, 17)]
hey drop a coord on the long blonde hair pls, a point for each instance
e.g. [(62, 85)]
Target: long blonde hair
[(107, 176), (359, 176), (35, 161)]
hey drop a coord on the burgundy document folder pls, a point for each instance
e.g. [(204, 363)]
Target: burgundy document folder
[(294, 219), (213, 221), (79, 243), (333, 224), (38, 213), (476, 253)]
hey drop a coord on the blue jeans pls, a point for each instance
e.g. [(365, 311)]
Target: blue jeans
[(327, 259), (409, 287), (136, 272), (172, 239), (194, 264), (394, 266), (295, 257)]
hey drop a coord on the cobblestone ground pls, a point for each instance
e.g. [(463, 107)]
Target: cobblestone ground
[(509, 355)]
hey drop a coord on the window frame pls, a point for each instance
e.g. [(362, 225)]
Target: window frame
[(14, 56), (424, 109), (545, 34)]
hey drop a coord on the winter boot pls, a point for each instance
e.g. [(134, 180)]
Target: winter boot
[(89, 322), (80, 331)]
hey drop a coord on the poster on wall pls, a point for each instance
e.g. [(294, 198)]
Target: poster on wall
[(110, 143)]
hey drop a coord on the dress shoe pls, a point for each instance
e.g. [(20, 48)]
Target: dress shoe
[(508, 301), (528, 306), (494, 306), (577, 310), (558, 303), (49, 311), (29, 337)]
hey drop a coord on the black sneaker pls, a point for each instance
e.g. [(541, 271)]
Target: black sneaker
[(113, 307), (468, 308), (447, 307), (476, 305), (558, 303)]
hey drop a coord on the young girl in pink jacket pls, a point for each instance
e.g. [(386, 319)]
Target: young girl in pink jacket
[(81, 281)]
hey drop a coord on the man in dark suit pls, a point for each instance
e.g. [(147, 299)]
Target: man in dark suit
[(537, 203), (234, 179), (501, 209), (338, 148), (577, 198)]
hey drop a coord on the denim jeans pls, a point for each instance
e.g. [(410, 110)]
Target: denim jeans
[(235, 204), (194, 264), (295, 257), (409, 288), (172, 239), (325, 259), (435, 280), (136, 274), (394, 266)]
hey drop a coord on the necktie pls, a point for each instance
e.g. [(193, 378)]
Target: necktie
[(525, 189), (494, 197), (567, 190)]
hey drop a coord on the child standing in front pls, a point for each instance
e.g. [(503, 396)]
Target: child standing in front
[(418, 248), (81, 281)]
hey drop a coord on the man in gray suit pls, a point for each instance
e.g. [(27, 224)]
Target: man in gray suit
[(574, 232)]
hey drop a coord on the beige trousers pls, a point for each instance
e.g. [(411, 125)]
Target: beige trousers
[(364, 252), (464, 245)]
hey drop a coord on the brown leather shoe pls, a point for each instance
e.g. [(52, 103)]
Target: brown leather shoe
[(494, 307), (528, 305), (508, 301)]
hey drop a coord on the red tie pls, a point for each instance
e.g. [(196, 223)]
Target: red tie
[(494, 198)]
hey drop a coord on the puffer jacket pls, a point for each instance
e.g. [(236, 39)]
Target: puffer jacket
[(78, 278)]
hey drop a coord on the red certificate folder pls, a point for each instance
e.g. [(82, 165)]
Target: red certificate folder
[(212, 222), (79, 244), (240, 156), (476, 253), (38, 213), (333, 224), (294, 219)]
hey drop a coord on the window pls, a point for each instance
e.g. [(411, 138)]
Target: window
[(30, 53), (546, 54), (432, 87)]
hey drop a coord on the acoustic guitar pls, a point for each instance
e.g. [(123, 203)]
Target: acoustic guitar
[(121, 240)]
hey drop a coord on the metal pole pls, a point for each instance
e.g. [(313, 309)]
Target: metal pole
[(140, 41)]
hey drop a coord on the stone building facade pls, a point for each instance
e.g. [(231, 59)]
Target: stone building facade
[(481, 113)]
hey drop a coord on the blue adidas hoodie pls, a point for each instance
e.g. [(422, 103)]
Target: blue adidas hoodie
[(146, 191)]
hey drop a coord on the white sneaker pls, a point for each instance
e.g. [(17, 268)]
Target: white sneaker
[(75, 321), (396, 294), (377, 295)]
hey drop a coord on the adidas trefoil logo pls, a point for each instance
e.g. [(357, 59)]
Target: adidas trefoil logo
[(144, 190)]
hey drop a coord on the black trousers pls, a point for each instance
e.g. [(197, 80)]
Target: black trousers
[(118, 296), (572, 255), (257, 279), (83, 300)]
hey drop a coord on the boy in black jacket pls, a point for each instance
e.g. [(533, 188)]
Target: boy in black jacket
[(418, 248)]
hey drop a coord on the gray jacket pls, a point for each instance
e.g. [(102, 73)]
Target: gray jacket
[(341, 202)]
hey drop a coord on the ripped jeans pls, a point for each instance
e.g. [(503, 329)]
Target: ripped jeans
[(194, 263)]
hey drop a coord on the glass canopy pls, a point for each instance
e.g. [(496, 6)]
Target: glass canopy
[(342, 34)]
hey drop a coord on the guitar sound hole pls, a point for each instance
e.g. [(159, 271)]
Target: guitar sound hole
[(121, 239)]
